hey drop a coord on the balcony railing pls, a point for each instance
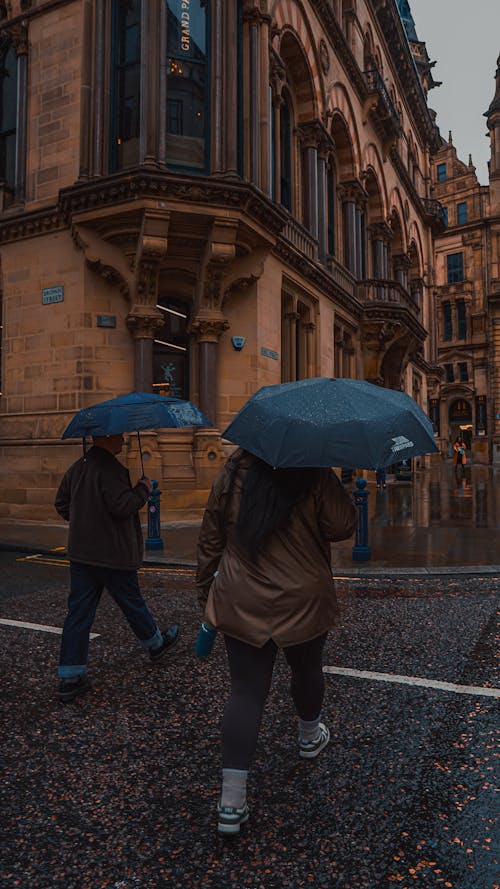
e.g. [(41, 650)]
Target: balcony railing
[(385, 109), (344, 278), (300, 238), (380, 290)]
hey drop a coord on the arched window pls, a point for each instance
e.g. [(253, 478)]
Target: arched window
[(8, 113), (171, 350), (286, 154), (188, 88), (125, 84)]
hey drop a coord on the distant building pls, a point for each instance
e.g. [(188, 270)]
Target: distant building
[(467, 292), (203, 198)]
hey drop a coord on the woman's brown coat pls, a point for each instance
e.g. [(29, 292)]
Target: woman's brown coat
[(288, 593)]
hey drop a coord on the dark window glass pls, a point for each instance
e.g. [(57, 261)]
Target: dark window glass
[(444, 216), (441, 172), (362, 246), (455, 267), (286, 156), (450, 376), (331, 209), (187, 83), (463, 373), (125, 84), (447, 323), (8, 113), (272, 148), (461, 213), (461, 320), (171, 350)]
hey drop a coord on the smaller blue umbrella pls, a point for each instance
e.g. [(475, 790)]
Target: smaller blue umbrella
[(332, 422), (133, 412)]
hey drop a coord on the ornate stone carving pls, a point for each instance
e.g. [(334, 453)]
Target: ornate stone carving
[(209, 328), (324, 56)]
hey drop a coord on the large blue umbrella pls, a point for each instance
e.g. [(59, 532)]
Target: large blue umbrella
[(332, 422), (132, 413)]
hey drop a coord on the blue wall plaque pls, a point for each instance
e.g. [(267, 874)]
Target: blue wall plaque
[(52, 295)]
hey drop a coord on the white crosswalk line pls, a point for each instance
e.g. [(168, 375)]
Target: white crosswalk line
[(43, 628), (415, 680)]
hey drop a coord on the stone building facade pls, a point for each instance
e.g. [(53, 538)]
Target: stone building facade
[(467, 293), (204, 198)]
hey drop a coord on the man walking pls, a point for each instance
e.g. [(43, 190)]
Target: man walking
[(105, 550)]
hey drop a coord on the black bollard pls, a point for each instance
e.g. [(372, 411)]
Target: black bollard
[(154, 538), (361, 551)]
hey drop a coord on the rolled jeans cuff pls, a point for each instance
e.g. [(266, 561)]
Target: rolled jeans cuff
[(154, 642), (71, 671)]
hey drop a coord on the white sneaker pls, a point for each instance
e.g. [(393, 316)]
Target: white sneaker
[(230, 818), (311, 749)]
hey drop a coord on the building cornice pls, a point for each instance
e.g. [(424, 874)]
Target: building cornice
[(31, 224), (151, 184)]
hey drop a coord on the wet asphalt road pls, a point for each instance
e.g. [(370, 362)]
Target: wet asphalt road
[(119, 790)]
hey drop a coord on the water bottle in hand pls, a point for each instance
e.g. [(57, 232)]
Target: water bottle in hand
[(205, 640)]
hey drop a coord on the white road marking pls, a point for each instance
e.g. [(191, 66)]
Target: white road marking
[(415, 680), (42, 627)]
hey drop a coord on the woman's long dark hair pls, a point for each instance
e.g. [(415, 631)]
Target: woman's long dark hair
[(268, 499)]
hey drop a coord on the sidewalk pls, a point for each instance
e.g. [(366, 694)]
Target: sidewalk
[(396, 550)]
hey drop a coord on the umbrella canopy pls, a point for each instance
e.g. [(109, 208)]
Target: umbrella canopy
[(133, 412), (332, 422)]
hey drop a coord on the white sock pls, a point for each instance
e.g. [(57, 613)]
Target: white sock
[(234, 788), (309, 730)]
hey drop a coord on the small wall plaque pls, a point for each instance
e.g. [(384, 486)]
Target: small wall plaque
[(106, 320), (269, 353), (52, 295)]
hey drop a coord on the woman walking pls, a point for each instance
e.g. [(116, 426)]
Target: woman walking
[(265, 582), (459, 457)]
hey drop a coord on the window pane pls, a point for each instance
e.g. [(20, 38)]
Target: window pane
[(286, 165), (441, 172), (455, 266), (450, 377), (444, 216), (461, 213), (462, 371), (187, 87), (125, 84), (461, 320), (447, 323), (171, 350), (331, 211), (8, 112)]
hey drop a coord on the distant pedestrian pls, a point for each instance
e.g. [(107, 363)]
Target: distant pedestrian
[(380, 476), (105, 551), (460, 453), (265, 581)]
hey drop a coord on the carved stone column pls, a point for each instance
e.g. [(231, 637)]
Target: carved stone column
[(208, 331), (401, 264), (149, 141), (353, 197), (145, 319), (99, 78), (143, 322), (256, 33)]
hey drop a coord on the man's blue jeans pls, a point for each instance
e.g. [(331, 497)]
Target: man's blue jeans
[(87, 584)]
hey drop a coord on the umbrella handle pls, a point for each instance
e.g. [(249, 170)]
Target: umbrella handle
[(140, 452)]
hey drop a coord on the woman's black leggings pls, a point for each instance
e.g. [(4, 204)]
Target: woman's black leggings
[(251, 672)]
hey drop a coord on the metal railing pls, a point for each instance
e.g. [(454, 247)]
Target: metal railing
[(376, 85)]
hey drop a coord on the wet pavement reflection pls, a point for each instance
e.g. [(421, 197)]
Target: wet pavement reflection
[(441, 517)]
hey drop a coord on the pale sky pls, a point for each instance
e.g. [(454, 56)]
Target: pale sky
[(463, 37)]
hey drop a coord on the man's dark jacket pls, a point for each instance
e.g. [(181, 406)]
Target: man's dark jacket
[(97, 498)]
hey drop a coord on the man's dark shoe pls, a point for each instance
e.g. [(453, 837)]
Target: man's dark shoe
[(68, 691), (170, 638)]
